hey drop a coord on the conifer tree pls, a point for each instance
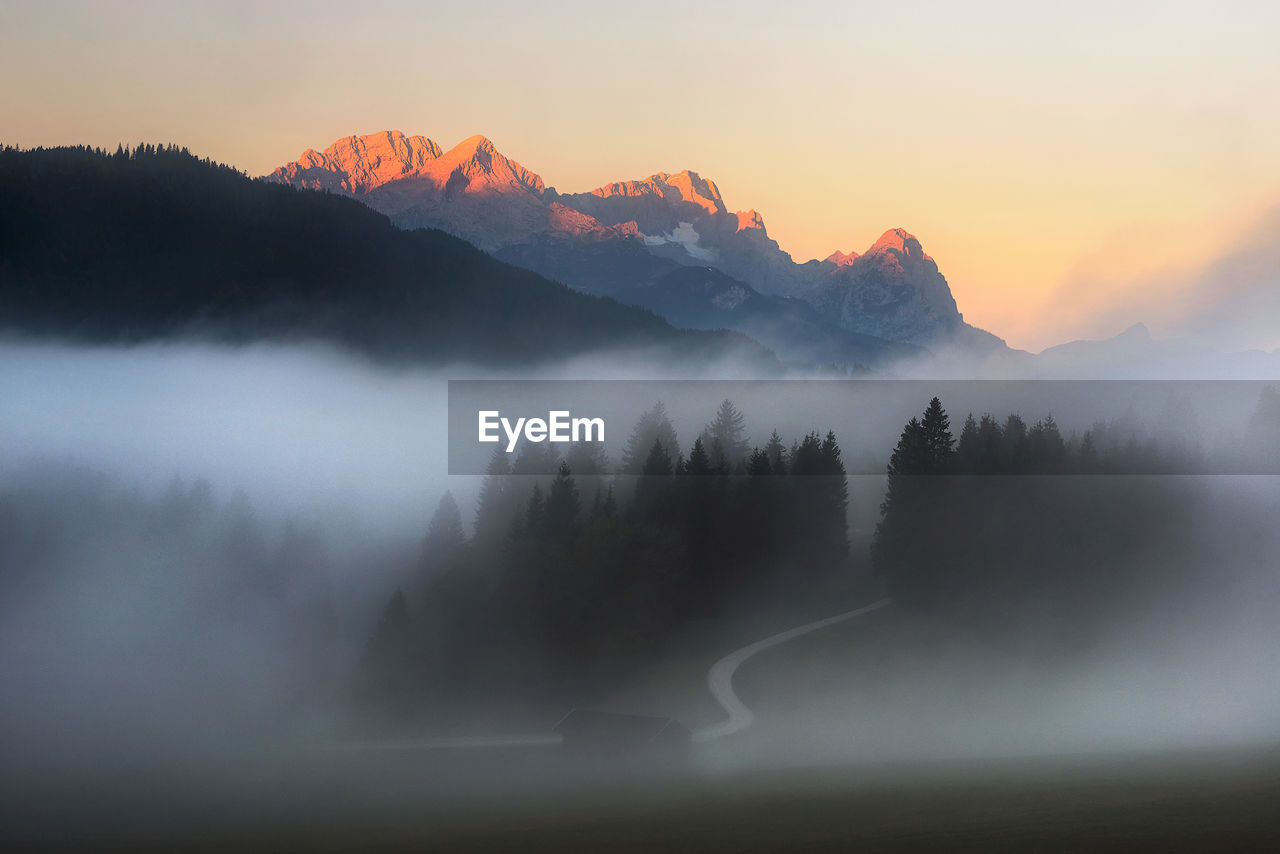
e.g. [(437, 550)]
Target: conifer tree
[(535, 513), (896, 549), (653, 489), (832, 464), (444, 548), (444, 531), (563, 505), (939, 445), (658, 462), (777, 453), (969, 448), (820, 498), (758, 463), (698, 463), (1014, 448), (1046, 448), (726, 433), (990, 440), (494, 509), (653, 426), (835, 498), (911, 456)]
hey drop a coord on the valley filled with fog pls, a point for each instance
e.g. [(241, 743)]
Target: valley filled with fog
[(199, 546)]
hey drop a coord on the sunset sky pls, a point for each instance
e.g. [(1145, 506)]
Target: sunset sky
[(1066, 167)]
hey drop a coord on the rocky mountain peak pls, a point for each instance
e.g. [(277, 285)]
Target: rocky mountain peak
[(893, 290), (750, 220), (697, 190), (358, 164), (475, 165), (477, 145), (841, 259), (900, 241), (628, 229), (686, 186)]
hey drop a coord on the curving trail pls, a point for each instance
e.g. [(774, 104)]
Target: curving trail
[(720, 676), (719, 681)]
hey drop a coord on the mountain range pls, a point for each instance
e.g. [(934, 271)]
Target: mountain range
[(156, 244), (1136, 354), (667, 242)]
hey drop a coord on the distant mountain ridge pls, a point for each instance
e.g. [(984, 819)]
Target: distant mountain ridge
[(894, 293), (1135, 353), (156, 244)]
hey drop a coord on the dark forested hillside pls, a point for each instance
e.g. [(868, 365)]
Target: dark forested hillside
[(574, 580), (156, 243)]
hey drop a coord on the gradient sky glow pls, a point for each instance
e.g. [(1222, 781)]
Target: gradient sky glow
[(1033, 148)]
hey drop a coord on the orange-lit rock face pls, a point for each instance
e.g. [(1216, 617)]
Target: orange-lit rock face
[(683, 186), (899, 241), (472, 190), (357, 164), (750, 220), (476, 166), (900, 250), (895, 246)]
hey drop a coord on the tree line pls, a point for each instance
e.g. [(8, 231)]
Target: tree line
[(578, 571), (978, 518), (571, 581)]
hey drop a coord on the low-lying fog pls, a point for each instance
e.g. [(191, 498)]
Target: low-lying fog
[(197, 543)]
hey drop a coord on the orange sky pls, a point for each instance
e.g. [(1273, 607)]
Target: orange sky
[(1031, 150)]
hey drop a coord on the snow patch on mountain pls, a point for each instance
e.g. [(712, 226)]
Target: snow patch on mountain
[(685, 236)]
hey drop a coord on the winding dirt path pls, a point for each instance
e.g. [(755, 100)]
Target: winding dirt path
[(720, 676)]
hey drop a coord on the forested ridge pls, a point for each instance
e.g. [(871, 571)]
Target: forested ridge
[(581, 571), (1007, 515), (155, 243)]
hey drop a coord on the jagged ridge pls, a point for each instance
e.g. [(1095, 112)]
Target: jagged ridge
[(894, 291)]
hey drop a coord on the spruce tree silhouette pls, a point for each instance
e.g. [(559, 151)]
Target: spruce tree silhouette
[(939, 445), (563, 505), (496, 505), (698, 463), (654, 426), (726, 437), (777, 453)]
